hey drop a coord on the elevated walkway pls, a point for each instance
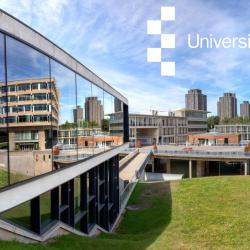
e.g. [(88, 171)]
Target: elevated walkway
[(128, 173)]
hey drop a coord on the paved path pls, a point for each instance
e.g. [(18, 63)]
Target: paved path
[(128, 171)]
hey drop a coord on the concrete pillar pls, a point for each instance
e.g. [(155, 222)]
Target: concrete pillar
[(200, 169), (245, 168), (168, 166), (190, 169), (41, 139), (12, 140)]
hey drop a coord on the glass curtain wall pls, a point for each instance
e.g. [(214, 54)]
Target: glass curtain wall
[(49, 115), (3, 119)]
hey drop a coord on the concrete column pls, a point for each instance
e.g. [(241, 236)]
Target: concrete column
[(41, 138), (200, 169), (168, 166), (190, 169), (12, 140), (245, 168)]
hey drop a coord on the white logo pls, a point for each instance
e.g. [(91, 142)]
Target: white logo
[(154, 27)]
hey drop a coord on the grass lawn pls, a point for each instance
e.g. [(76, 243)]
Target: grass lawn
[(206, 213)]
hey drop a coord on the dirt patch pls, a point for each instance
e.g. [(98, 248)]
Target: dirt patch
[(134, 207)]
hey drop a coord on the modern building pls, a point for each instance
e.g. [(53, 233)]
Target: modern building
[(245, 109), (214, 138), (29, 112), (78, 114), (144, 129), (227, 106), (242, 129), (38, 83), (196, 120), (194, 99), (93, 110)]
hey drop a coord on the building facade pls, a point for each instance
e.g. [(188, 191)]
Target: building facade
[(30, 113), (40, 85), (78, 114), (245, 109), (146, 129), (214, 138), (227, 106), (94, 110), (195, 100), (242, 129), (196, 120)]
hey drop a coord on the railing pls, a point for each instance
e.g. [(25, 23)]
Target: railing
[(70, 157), (203, 153), (199, 145)]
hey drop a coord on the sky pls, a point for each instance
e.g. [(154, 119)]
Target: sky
[(110, 37)]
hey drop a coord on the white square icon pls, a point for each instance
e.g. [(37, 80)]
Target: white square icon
[(168, 41), (168, 13), (154, 27), (154, 55), (167, 68)]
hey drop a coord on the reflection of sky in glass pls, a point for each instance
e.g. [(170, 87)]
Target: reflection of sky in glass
[(108, 104), (24, 62), (65, 83), (1, 59), (83, 90)]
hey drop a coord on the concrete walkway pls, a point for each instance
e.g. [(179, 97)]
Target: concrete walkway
[(128, 171)]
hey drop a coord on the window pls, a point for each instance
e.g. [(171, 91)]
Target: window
[(40, 96), (23, 87), (41, 107), (24, 98)]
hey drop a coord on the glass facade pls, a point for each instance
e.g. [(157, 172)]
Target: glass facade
[(49, 114)]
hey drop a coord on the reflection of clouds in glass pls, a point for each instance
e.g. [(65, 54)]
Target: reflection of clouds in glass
[(24, 62), (66, 113), (65, 83), (83, 90), (108, 104)]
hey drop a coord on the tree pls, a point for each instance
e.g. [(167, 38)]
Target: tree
[(105, 125), (212, 121)]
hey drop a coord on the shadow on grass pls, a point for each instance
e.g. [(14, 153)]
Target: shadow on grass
[(151, 213)]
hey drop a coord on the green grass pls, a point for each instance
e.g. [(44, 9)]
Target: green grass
[(206, 213)]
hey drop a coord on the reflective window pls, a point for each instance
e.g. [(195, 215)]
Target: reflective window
[(96, 116), (82, 115), (3, 116), (26, 66), (63, 97)]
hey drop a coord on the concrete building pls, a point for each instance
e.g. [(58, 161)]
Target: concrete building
[(195, 100), (93, 110), (78, 114), (227, 106), (145, 129), (214, 138), (242, 129), (245, 109), (196, 120), (30, 113)]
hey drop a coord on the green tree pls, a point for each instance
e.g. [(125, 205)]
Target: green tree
[(212, 121), (105, 125)]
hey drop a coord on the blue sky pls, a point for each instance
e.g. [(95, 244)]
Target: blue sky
[(110, 38)]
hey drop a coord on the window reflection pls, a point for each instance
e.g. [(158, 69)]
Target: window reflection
[(3, 117), (82, 116), (29, 111), (53, 115), (95, 110), (65, 136)]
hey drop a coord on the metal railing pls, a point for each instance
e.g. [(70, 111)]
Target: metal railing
[(203, 153)]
